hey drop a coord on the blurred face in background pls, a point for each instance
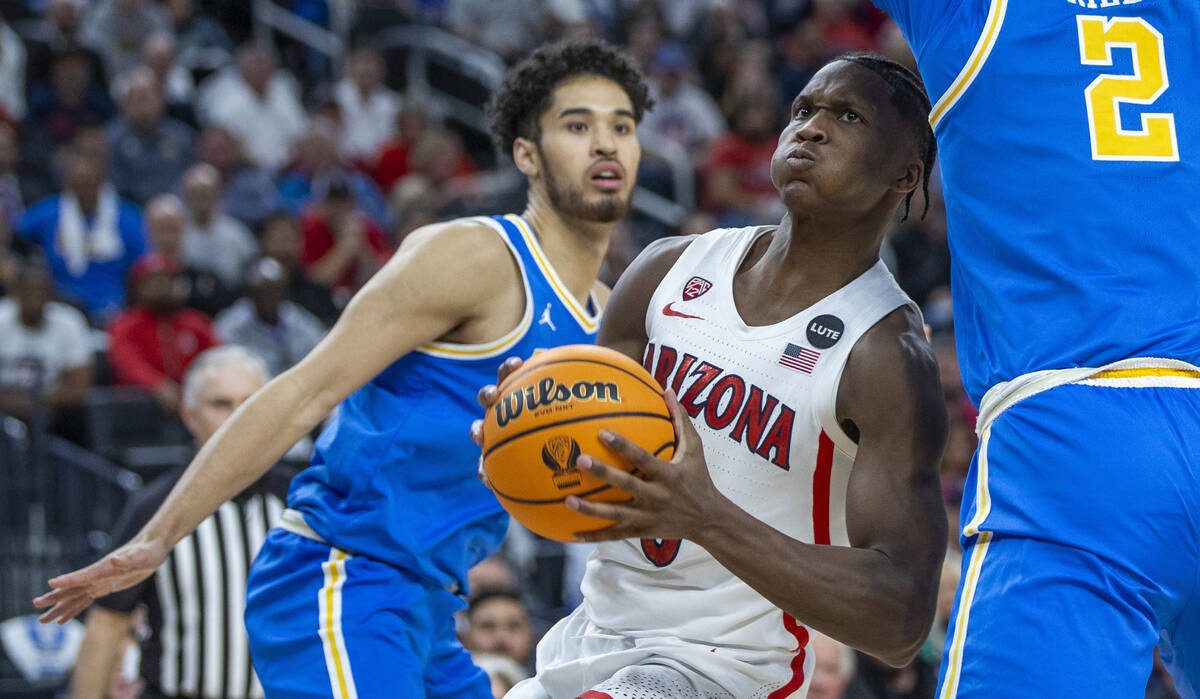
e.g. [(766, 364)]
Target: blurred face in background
[(33, 292), (202, 192), (367, 70), (257, 65), (281, 241), (220, 390), (164, 222), (143, 104), (499, 625)]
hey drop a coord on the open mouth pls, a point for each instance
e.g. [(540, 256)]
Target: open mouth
[(607, 176)]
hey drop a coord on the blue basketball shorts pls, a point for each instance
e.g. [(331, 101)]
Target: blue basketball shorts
[(1081, 543), (325, 623)]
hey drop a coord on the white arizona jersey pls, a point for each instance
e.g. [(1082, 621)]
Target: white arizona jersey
[(763, 400)]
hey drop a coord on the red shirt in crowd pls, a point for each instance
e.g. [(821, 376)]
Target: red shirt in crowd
[(750, 161), (319, 240), (147, 349)]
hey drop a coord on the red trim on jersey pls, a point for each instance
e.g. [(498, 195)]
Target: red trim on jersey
[(797, 680), (593, 694), (821, 476)]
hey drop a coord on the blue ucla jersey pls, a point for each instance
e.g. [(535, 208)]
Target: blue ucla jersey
[(1069, 133), (393, 476)]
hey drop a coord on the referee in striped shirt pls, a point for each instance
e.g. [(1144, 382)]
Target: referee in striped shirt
[(197, 644)]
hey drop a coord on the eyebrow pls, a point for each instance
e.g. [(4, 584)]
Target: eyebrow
[(571, 111)]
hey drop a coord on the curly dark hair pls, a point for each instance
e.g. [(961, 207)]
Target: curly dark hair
[(526, 93)]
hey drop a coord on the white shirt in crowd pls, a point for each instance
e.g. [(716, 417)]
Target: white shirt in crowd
[(224, 247), (60, 344), (367, 122), (266, 126)]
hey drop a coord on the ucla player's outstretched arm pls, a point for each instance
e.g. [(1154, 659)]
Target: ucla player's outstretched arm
[(446, 280), (879, 594)]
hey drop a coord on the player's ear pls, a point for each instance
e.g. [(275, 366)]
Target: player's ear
[(525, 155), (910, 178)]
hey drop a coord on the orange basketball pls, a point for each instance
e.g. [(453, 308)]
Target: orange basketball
[(549, 412)]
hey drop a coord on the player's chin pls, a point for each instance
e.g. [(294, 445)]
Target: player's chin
[(796, 193)]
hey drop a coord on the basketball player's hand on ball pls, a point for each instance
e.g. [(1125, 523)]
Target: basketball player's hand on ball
[(673, 500), (487, 396), (71, 593)]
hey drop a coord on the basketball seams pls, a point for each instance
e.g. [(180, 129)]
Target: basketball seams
[(581, 360), (568, 421)]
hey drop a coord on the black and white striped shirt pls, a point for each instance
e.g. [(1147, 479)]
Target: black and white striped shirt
[(197, 645)]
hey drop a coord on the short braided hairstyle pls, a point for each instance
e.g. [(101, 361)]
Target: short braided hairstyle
[(910, 99), (526, 92)]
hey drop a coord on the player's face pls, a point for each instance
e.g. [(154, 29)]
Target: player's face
[(588, 150), (845, 146), (221, 390)]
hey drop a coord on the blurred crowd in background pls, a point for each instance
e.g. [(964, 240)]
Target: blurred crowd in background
[(181, 174)]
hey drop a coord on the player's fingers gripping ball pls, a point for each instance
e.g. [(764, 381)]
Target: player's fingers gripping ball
[(552, 410)]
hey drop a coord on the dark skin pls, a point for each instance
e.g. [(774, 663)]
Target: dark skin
[(841, 175)]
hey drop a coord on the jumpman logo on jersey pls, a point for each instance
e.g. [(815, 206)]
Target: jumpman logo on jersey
[(545, 319)]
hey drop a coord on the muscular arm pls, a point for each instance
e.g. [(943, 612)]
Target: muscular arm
[(443, 278), (879, 595)]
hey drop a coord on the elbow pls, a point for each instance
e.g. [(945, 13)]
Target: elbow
[(907, 636)]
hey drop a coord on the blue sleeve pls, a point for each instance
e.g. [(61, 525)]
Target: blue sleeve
[(40, 219), (132, 231), (920, 19)]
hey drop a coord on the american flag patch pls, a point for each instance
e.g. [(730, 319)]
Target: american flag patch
[(799, 358)]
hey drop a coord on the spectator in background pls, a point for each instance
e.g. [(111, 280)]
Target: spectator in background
[(150, 151), (44, 347), (264, 320), (257, 103), (683, 112), (158, 54), (152, 343), (219, 381), (118, 29), (342, 247), (90, 236), (508, 28), (802, 53), (250, 194), (833, 670), (737, 173), (55, 32), (202, 45), (318, 165), (368, 108), (12, 196), (922, 251), (213, 241), (280, 239), (394, 160), (12, 73), (199, 288), (498, 623), (73, 99)]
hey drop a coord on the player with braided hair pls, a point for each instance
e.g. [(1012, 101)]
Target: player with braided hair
[(804, 490)]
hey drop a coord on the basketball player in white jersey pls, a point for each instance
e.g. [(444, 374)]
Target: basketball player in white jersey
[(804, 491)]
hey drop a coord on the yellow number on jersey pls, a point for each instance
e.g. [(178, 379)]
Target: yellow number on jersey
[(1155, 140)]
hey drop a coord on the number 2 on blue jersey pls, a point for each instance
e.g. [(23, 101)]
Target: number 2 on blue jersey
[(1155, 140)]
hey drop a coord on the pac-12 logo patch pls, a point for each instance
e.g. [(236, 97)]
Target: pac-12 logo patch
[(696, 286), (824, 331)]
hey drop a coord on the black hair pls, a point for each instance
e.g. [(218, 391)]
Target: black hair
[(526, 93), (491, 593), (271, 219), (910, 99)]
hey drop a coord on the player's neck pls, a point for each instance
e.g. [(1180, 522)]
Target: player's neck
[(575, 248), (808, 258)]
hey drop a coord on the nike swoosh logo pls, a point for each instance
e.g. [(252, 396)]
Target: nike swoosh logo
[(668, 311)]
